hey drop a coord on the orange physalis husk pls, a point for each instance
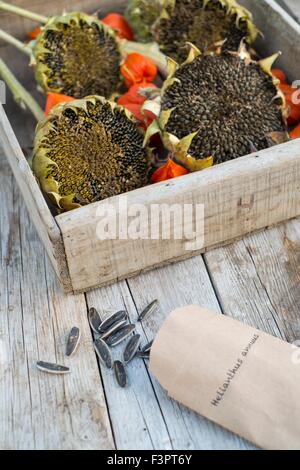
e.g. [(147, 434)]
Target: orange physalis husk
[(295, 133), (293, 109), (34, 33), (168, 171), (134, 95), (56, 98), (133, 101), (120, 25), (137, 69), (278, 73), (286, 89), (294, 112)]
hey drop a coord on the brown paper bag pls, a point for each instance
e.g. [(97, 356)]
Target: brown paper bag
[(238, 377)]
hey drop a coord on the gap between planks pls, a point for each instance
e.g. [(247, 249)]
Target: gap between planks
[(39, 411), (148, 433), (256, 280), (143, 416), (267, 296)]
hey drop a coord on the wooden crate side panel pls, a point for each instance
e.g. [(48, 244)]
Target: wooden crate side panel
[(239, 197), (281, 33), (292, 7), (39, 212), (20, 26)]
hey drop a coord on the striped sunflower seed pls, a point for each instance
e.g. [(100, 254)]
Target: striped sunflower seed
[(147, 348), (113, 329), (110, 321), (120, 335), (143, 355), (131, 348), (148, 310), (94, 319), (103, 352), (120, 374), (73, 341), (52, 368)]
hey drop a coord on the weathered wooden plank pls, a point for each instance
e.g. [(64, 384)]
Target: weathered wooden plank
[(24, 125), (239, 197), (258, 280), (39, 411), (148, 286), (139, 424), (174, 286), (292, 7)]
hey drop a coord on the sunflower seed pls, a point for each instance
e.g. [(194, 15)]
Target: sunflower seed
[(52, 368), (110, 321), (73, 341), (147, 348), (120, 335), (120, 373), (113, 329), (103, 352), (131, 348), (148, 310), (94, 319), (143, 355)]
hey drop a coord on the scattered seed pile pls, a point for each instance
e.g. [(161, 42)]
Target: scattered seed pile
[(69, 46), (203, 23), (232, 104), (114, 330), (108, 333), (87, 151)]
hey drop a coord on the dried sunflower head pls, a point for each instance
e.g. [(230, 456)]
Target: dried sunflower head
[(88, 150), (203, 23), (69, 46), (216, 108), (142, 14)]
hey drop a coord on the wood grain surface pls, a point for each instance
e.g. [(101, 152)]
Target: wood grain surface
[(255, 280)]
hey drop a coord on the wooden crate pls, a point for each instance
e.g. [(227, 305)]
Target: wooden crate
[(240, 196)]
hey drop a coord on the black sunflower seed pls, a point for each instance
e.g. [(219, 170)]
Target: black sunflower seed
[(131, 348), (148, 310), (52, 368), (73, 341), (120, 374)]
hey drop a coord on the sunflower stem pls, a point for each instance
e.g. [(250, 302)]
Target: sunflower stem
[(22, 12), (150, 50), (15, 42), (21, 96)]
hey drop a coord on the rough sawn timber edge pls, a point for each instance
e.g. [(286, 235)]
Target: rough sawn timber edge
[(240, 197), (268, 15), (39, 212)]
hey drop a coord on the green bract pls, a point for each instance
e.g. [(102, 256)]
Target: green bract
[(88, 150)]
